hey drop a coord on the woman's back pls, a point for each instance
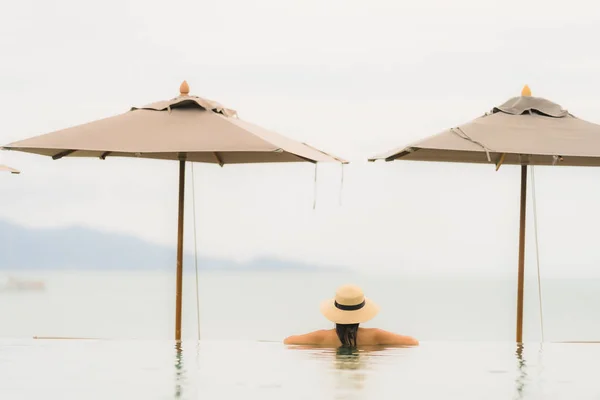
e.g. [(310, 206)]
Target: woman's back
[(364, 337)]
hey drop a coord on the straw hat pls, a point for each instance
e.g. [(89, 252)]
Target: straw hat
[(350, 306)]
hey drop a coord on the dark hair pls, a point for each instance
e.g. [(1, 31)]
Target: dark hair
[(348, 334)]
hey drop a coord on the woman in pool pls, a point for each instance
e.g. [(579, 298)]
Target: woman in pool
[(347, 310)]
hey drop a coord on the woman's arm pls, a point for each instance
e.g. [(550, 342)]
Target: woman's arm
[(316, 337), (389, 338)]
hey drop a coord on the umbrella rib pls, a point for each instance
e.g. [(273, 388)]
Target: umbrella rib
[(304, 158), (62, 154), (219, 160), (500, 161), (402, 154), (327, 154)]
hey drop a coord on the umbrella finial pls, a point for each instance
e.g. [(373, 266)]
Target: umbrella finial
[(184, 89), (526, 91)]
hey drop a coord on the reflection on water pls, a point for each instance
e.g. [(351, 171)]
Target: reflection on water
[(521, 372), (179, 371), (350, 367), (184, 386), (347, 358), (349, 373)]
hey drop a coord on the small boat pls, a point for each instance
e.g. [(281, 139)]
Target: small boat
[(10, 284)]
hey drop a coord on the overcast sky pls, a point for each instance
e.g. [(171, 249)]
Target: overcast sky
[(354, 78)]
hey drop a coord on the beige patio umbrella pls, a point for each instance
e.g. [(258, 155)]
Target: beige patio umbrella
[(523, 131), (9, 169), (186, 128)]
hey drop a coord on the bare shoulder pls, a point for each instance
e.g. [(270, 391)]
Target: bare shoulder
[(384, 337), (314, 338)]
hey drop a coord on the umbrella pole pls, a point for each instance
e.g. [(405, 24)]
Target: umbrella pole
[(179, 289), (521, 254)]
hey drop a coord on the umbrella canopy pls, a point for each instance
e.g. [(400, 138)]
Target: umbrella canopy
[(186, 128), (9, 169), (523, 131)]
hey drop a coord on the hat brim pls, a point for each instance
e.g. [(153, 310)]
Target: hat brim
[(334, 314)]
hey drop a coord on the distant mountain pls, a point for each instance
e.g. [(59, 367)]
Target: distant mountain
[(89, 249)]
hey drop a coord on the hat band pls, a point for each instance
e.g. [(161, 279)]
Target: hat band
[(349, 308)]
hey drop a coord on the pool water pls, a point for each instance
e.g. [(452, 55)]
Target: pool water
[(145, 369)]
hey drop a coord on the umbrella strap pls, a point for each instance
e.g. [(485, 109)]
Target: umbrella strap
[(341, 184), (537, 249), (315, 189), (461, 134), (195, 249)]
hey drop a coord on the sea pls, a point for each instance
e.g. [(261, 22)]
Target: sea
[(100, 335)]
